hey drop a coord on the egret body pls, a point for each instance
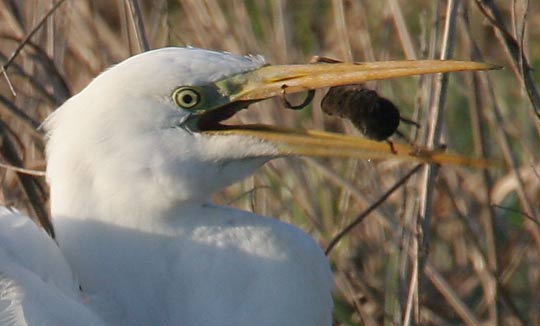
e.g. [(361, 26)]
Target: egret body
[(146, 243)]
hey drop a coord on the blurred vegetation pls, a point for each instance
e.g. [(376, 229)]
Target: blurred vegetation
[(483, 265)]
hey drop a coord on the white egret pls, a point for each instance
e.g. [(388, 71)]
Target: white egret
[(133, 160)]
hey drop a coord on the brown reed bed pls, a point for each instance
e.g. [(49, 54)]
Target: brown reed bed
[(452, 245)]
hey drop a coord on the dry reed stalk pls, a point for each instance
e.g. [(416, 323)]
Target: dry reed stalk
[(138, 25)]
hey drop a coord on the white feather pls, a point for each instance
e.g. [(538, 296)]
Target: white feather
[(37, 286)]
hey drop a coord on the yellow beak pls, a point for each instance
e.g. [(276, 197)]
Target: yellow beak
[(269, 81)]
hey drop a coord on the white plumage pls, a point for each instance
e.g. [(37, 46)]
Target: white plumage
[(37, 286)]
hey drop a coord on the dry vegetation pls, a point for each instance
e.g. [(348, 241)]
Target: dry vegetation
[(436, 252)]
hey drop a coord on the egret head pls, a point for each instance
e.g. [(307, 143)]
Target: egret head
[(147, 131), (125, 135)]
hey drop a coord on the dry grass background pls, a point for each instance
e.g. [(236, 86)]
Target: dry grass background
[(436, 252)]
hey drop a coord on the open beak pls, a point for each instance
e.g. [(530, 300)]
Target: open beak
[(269, 81)]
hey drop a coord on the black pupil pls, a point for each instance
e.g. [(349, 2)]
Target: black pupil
[(187, 98)]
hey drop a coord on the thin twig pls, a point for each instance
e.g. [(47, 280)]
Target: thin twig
[(491, 12), (435, 121), (435, 128), (11, 109), (29, 185), (36, 173), (530, 217), (474, 237), (404, 34), (10, 85), (373, 206), (411, 290), (482, 149), (345, 183), (341, 28), (451, 296), (138, 25), (19, 48), (32, 32), (61, 91), (510, 157), (36, 84), (410, 254)]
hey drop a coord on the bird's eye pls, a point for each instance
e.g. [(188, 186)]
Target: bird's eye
[(186, 98)]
